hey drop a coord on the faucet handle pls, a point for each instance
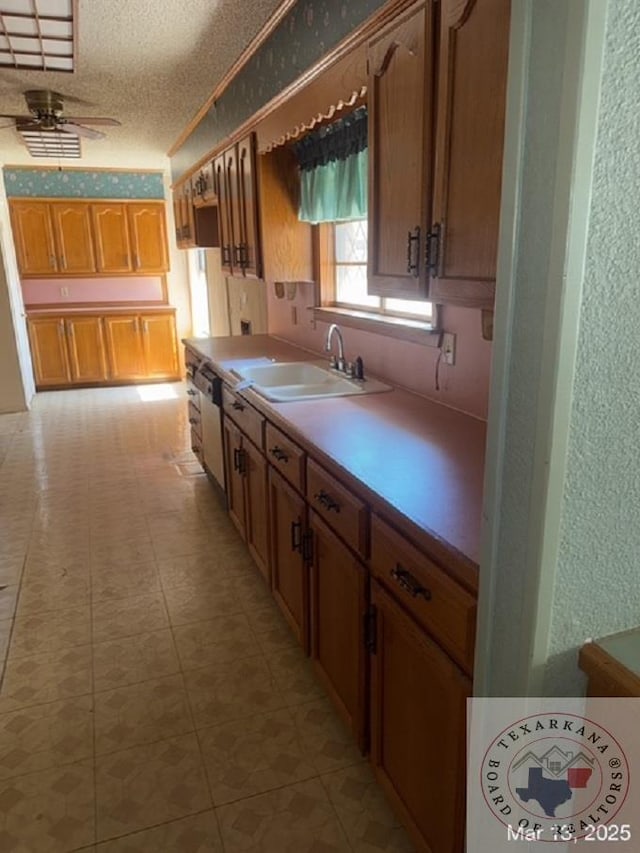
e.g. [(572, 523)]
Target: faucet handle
[(333, 363), (358, 368)]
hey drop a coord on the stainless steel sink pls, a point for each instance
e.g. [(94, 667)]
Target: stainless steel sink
[(303, 380)]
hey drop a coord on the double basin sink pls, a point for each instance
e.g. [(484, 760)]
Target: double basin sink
[(288, 381)]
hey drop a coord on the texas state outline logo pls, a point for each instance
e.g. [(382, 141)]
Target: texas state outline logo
[(555, 777)]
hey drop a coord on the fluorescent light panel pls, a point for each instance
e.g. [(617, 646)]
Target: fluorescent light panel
[(51, 143), (37, 35)]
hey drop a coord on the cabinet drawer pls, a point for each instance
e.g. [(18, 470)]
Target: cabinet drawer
[(341, 509), (195, 418), (441, 606), (245, 416), (285, 455), (196, 445), (193, 395)]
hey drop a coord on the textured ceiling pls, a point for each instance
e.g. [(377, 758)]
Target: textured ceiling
[(150, 64)]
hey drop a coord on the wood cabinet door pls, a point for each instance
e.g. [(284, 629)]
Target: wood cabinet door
[(401, 71), (49, 351), (148, 235), (338, 607), (224, 202), (249, 241), (124, 347), (33, 237), (159, 345), (110, 227), (418, 728), (256, 506), (289, 573), (233, 205), (232, 440), (87, 356), (74, 238), (474, 41)]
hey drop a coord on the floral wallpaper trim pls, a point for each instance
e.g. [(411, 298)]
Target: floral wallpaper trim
[(80, 183), (309, 31)]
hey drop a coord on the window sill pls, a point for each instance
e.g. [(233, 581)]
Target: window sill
[(416, 331)]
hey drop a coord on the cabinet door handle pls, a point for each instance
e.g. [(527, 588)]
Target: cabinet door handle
[(236, 458), (191, 392), (61, 328), (193, 421), (52, 261), (63, 262), (279, 454), (413, 251), (409, 583), (296, 536), (433, 249), (226, 256), (325, 500), (145, 327), (136, 259), (237, 406)]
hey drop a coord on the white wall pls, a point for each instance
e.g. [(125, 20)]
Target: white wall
[(597, 586)]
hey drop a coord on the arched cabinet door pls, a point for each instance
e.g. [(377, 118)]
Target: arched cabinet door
[(33, 237), (110, 227), (72, 226), (147, 231)]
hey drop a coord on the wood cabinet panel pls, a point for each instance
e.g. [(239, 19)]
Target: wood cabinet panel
[(338, 606), (436, 601), (147, 231), (231, 180), (74, 238), (33, 237), (124, 347), (224, 212), (256, 506), (87, 355), (160, 346), (401, 69), (248, 239), (289, 572), (247, 418), (232, 442), (110, 227), (339, 507), (49, 351), (285, 455), (418, 707), (472, 76)]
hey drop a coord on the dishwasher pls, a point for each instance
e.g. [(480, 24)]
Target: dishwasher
[(210, 387)]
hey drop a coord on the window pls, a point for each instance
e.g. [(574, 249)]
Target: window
[(350, 251)]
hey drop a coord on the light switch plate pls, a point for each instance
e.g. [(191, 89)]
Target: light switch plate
[(448, 348)]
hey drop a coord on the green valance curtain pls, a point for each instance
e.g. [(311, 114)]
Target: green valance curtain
[(333, 171)]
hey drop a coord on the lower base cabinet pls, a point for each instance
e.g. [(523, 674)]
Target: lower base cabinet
[(97, 349), (418, 727)]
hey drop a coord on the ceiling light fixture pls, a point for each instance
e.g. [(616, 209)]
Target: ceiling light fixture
[(51, 143), (38, 35)]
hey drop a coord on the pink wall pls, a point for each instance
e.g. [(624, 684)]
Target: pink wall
[(463, 386), (80, 291)]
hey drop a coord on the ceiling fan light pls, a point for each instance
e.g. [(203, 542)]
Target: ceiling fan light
[(36, 32)]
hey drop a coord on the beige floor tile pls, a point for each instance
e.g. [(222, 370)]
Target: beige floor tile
[(197, 603), (294, 676), (5, 633), (141, 713), (120, 580), (45, 736), (251, 756), (166, 546), (11, 569), (51, 811), (295, 819), (129, 660), (190, 570), (125, 617), (37, 679), (38, 595), (231, 691), (214, 641), (135, 551), (196, 834), (140, 787), (329, 741), (272, 632), (8, 596), (364, 813), (49, 631)]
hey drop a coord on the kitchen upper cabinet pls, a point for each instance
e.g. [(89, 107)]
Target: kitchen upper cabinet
[(236, 186), (86, 348), (113, 247), (72, 228), (49, 354), (32, 227), (289, 568), (418, 728), (124, 343), (338, 602), (472, 76), (147, 232), (401, 104)]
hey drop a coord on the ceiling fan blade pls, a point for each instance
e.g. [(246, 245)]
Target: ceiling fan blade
[(79, 130), (17, 118), (111, 122)]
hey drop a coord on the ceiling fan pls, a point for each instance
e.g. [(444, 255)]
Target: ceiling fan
[(46, 113)]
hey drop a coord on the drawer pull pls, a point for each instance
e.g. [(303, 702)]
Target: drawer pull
[(238, 406), (279, 454), (191, 392), (194, 421), (325, 500), (296, 536), (409, 584), (239, 461)]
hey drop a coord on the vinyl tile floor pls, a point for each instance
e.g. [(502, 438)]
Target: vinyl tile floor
[(152, 698)]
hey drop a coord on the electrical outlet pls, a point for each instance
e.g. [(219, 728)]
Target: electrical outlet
[(64, 291), (449, 348)]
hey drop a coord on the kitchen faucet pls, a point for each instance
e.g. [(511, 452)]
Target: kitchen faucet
[(339, 363)]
